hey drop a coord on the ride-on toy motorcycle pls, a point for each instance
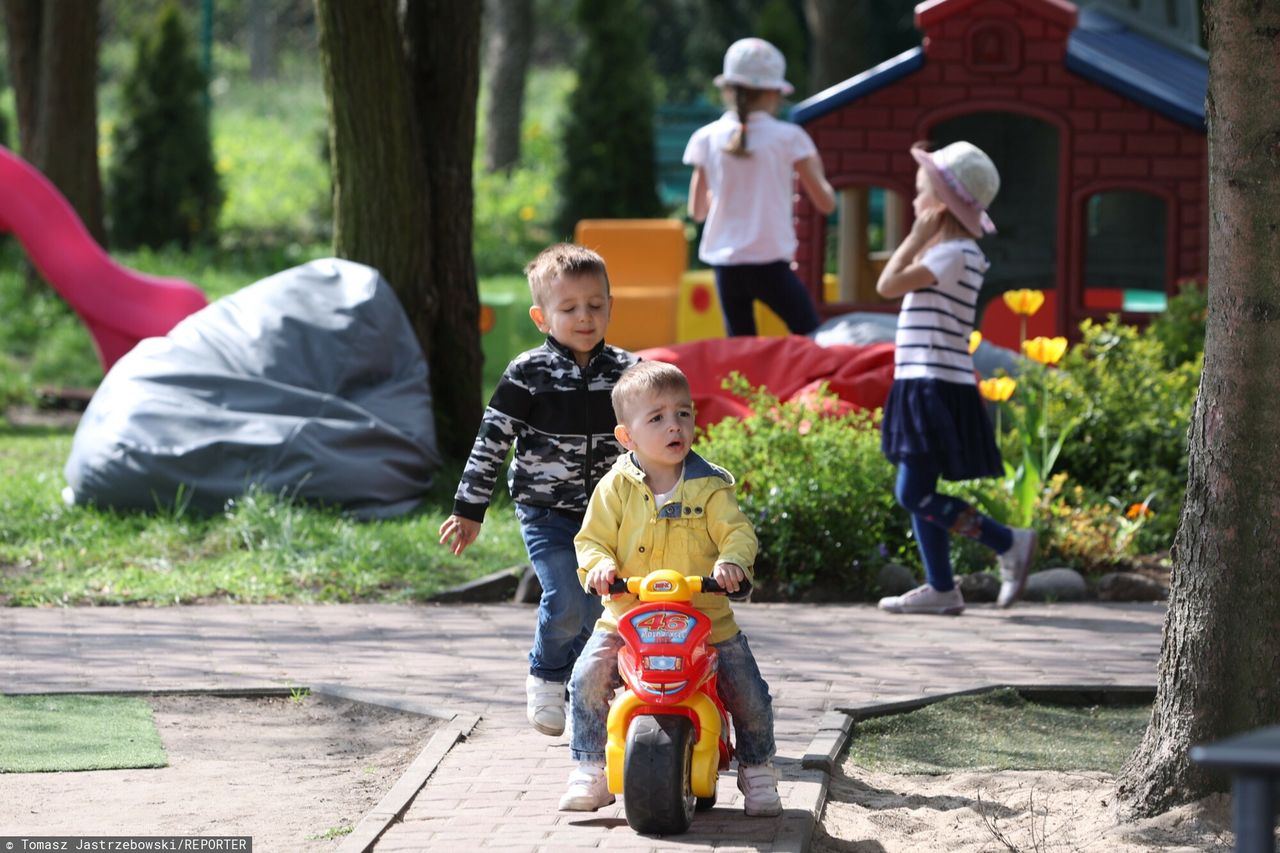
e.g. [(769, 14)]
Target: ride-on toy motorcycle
[(668, 731)]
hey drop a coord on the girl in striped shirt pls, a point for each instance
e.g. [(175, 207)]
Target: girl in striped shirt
[(935, 425)]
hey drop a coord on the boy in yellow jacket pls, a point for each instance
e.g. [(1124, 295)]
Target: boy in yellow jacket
[(664, 506)]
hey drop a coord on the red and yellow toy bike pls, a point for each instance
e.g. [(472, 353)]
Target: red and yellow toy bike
[(668, 731)]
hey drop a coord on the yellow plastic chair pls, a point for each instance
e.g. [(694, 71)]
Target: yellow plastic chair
[(646, 260)]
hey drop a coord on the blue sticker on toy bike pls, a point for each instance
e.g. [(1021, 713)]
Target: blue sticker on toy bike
[(663, 626)]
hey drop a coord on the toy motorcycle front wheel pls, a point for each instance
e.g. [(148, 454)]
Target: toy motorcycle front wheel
[(656, 774)]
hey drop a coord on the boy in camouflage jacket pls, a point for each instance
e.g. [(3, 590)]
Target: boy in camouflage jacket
[(552, 404)]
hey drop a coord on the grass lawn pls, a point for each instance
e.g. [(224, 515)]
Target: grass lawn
[(260, 549), (269, 148)]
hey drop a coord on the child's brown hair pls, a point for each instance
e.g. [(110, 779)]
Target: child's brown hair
[(646, 377), (562, 259)]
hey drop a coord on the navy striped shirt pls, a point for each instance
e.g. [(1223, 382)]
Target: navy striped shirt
[(932, 341)]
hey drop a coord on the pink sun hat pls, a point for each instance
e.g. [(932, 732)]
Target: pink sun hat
[(756, 64), (965, 180)]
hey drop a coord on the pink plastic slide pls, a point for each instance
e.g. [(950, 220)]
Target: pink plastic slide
[(119, 306)]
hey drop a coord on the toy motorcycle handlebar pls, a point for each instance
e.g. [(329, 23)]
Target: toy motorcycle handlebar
[(709, 584)]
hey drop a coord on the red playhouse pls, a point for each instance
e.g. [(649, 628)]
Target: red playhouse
[(1095, 118)]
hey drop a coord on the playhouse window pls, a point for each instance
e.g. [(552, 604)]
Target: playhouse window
[(861, 234), (1125, 262)]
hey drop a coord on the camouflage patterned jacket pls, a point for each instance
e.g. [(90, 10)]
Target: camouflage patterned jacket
[(559, 417)]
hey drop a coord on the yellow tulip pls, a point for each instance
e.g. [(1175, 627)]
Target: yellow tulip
[(975, 338), (1024, 302), (1045, 350), (997, 390)]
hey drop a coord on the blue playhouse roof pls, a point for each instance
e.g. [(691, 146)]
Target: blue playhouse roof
[(1155, 75), (1100, 49), (877, 77)]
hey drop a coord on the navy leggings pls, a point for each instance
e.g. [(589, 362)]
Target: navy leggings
[(776, 285), (935, 517)]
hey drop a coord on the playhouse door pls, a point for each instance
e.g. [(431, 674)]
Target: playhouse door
[(1024, 251)]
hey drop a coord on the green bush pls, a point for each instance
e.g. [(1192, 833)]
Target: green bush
[(1133, 410), (1180, 328), (162, 186), (818, 491)]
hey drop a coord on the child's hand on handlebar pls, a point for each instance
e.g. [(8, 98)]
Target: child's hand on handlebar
[(729, 576), (599, 578)]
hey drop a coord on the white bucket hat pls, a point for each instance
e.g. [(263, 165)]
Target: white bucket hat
[(965, 180), (756, 64)]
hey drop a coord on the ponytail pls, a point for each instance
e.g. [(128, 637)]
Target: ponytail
[(742, 98)]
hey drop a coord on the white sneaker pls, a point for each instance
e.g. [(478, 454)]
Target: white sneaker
[(545, 708), (588, 789), (926, 599), (1015, 565), (759, 786)]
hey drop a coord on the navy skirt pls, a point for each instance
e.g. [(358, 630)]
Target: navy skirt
[(942, 425)]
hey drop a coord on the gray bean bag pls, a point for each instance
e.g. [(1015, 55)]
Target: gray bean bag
[(869, 327), (309, 383)]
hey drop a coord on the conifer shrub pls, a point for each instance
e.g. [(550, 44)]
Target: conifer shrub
[(609, 169), (162, 184)]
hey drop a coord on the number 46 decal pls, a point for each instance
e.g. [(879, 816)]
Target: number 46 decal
[(664, 622)]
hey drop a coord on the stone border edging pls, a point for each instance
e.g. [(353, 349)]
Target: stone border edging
[(837, 726), (395, 802)]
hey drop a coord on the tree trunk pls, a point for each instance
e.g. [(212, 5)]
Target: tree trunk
[(509, 24), (53, 49), (262, 40), (402, 135), (442, 41), (839, 33), (1220, 665), (22, 20)]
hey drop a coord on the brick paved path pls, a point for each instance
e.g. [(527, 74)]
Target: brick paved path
[(499, 787)]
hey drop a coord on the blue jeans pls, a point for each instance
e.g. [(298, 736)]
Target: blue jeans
[(742, 690), (567, 613), (776, 285), (934, 517)]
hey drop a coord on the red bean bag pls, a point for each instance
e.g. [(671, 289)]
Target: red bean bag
[(791, 368)]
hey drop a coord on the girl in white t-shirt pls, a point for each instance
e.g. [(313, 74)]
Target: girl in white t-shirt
[(934, 422), (742, 186)]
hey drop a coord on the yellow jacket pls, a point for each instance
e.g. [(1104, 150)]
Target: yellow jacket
[(699, 526)]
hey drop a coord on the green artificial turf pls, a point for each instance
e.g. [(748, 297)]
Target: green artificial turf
[(40, 734), (999, 730)]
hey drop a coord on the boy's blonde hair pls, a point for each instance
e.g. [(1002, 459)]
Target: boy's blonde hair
[(562, 259), (643, 379)]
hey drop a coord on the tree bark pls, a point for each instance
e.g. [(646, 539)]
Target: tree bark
[(53, 49), (1219, 669), (509, 24), (22, 20), (839, 33), (402, 135), (442, 41)]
